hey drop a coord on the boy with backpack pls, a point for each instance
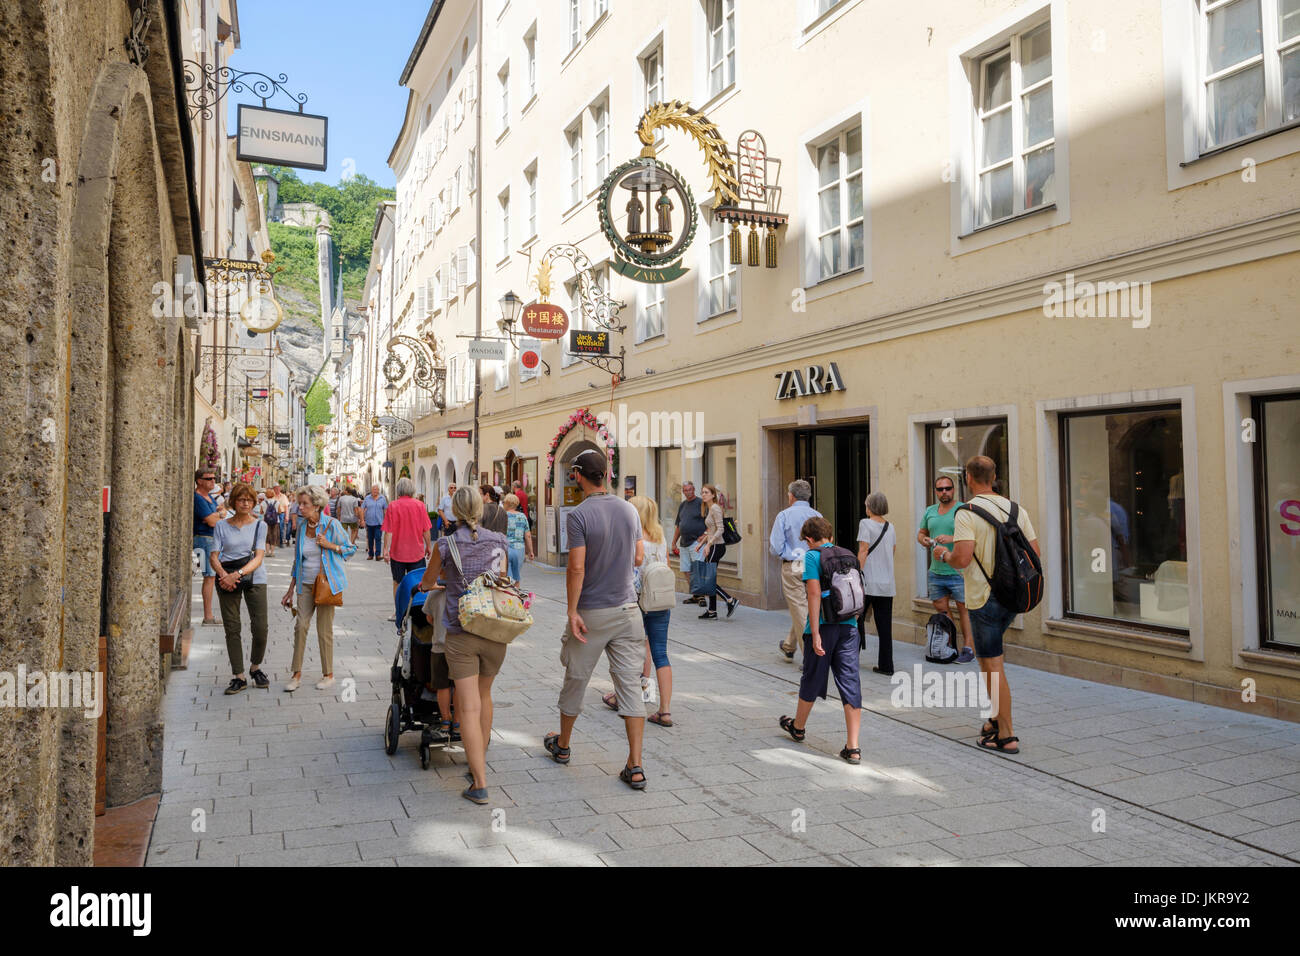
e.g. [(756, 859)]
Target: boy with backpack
[(834, 584), (996, 549)]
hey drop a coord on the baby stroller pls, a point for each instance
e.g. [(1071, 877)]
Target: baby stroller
[(412, 708)]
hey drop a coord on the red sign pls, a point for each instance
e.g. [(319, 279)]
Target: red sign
[(461, 433), (106, 497), (529, 358), (543, 320)]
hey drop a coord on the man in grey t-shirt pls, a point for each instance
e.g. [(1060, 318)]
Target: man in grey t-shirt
[(347, 506), (604, 536)]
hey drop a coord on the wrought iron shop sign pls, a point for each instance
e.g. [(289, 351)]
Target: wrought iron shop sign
[(543, 320), (281, 137), (588, 343), (812, 380)]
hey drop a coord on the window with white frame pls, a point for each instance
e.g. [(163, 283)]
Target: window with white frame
[(576, 320), (504, 201), (600, 120), (574, 135), (1250, 68), (650, 323), (471, 263), (840, 238), (721, 44), (1015, 134), (652, 69), (598, 9), (439, 293), (471, 169), (504, 78), (455, 189), (530, 179), (722, 274), (530, 53), (575, 23), (502, 369)]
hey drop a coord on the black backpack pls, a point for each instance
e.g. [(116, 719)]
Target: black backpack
[(939, 637), (1017, 579), (842, 578)]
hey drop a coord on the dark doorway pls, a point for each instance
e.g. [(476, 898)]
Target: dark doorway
[(836, 461)]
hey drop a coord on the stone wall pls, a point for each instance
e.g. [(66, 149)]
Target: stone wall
[(95, 210)]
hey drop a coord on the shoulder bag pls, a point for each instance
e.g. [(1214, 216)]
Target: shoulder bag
[(321, 593), (492, 606)]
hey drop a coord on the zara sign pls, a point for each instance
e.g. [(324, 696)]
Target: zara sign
[(813, 380)]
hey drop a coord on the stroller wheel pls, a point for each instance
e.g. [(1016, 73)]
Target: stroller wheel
[(392, 728), (424, 756)]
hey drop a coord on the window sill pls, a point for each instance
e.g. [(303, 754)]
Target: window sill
[(1050, 207), (529, 242), (1270, 657), (574, 210), (1118, 635), (502, 135), (527, 106), (722, 96), (809, 30), (1220, 150), (502, 263)]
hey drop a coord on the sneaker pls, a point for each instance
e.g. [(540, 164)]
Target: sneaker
[(293, 685), (325, 683), (211, 622), (236, 685), (732, 605), (966, 656), (709, 616), (260, 679)]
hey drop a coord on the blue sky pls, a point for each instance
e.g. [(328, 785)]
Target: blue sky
[(347, 58)]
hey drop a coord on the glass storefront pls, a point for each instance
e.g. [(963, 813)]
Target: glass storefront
[(948, 446), (1277, 496), (668, 485), (836, 462), (720, 471), (1125, 516)]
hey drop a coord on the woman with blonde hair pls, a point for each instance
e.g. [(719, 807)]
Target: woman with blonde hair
[(321, 547), (473, 662), (654, 622), (713, 550)]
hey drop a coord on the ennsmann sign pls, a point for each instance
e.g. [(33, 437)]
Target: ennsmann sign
[(281, 137)]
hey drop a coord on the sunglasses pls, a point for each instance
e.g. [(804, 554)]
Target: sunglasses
[(943, 487)]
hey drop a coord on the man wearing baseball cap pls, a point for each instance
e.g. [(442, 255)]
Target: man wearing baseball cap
[(604, 534)]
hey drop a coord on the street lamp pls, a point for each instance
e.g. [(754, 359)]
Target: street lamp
[(390, 391), (511, 305)]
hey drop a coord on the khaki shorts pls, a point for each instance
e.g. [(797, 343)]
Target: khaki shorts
[(469, 655)]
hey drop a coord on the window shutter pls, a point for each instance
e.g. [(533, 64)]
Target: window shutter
[(471, 87), (462, 264), (472, 255), (469, 165), (420, 301), (451, 277), (430, 302)]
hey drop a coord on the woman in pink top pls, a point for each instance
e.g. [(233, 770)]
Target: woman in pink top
[(406, 532)]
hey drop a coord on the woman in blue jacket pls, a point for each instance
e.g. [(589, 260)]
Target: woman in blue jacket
[(322, 547)]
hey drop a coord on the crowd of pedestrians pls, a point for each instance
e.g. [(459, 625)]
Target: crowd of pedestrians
[(619, 587)]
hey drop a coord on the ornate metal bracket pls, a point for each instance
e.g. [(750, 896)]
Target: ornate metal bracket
[(430, 372), (136, 49), (207, 86), (598, 306), (607, 363)]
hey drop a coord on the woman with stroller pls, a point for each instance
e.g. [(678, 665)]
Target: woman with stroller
[(321, 548), (473, 662)]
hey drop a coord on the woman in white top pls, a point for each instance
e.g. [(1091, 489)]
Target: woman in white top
[(654, 622), (876, 544)]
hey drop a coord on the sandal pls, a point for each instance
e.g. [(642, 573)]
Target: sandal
[(990, 729), (661, 717), (552, 744), (626, 775), (1000, 744), (797, 733), (610, 701), (851, 754)]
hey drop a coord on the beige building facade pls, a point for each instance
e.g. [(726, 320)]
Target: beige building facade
[(1062, 235)]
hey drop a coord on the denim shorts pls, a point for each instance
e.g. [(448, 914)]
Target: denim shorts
[(946, 585), (988, 624), (207, 543)]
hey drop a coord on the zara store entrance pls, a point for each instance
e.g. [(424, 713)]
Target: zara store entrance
[(836, 461)]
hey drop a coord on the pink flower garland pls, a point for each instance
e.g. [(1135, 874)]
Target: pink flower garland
[(583, 417)]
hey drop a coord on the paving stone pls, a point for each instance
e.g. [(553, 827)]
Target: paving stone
[(727, 851)]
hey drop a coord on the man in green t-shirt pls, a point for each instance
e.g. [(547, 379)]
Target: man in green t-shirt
[(943, 582)]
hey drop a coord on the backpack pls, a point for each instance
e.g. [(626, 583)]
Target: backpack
[(1017, 579), (842, 579), (939, 636), (658, 587), (729, 533)]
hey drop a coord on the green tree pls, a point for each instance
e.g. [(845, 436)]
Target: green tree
[(318, 404)]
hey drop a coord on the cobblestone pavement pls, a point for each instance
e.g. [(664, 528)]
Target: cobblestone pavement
[(302, 779)]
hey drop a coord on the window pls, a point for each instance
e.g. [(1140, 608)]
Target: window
[(722, 274), (574, 134), (439, 293), (720, 471), (471, 169), (575, 23), (530, 52), (650, 323), (821, 6), (839, 202), (455, 189), (1014, 131), (1277, 462), (949, 446), (668, 484), (576, 320), (471, 263), (1251, 67), (504, 200), (652, 68), (504, 77), (1124, 516), (600, 118), (530, 178), (598, 9), (722, 44)]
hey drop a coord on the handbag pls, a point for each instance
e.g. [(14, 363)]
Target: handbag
[(704, 578), (321, 594), (729, 533), (492, 606)]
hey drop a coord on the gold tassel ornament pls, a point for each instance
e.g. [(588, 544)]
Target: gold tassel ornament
[(753, 246), (735, 244), (771, 247)]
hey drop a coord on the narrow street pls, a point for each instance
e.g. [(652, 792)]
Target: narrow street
[(303, 779)]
